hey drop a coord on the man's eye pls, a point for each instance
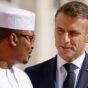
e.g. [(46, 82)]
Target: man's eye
[(74, 34), (30, 38), (60, 31)]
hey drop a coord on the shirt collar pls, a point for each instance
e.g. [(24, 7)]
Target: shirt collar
[(78, 62)]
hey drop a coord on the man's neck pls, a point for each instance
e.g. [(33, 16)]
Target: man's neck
[(5, 65)]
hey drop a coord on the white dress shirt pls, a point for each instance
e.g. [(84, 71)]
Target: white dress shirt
[(61, 72)]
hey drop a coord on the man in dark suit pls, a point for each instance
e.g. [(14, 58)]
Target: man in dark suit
[(71, 62)]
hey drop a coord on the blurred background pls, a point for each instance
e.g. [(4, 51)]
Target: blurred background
[(44, 47)]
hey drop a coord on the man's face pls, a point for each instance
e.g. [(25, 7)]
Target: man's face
[(70, 36), (25, 46)]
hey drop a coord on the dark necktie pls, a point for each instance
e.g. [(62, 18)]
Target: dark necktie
[(70, 78)]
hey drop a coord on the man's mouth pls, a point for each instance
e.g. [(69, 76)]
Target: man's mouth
[(29, 56), (66, 47)]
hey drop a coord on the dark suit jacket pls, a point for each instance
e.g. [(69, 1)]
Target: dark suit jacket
[(44, 75)]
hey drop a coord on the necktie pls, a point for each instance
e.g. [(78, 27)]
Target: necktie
[(70, 79)]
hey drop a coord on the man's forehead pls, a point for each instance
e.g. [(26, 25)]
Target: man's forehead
[(28, 32)]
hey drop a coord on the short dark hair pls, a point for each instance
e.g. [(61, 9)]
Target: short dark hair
[(74, 9)]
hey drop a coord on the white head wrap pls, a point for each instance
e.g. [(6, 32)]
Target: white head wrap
[(18, 19)]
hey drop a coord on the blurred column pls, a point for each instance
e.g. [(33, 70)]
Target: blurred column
[(44, 43)]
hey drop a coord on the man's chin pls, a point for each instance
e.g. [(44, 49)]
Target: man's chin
[(25, 61)]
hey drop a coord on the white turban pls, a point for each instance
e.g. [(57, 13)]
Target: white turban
[(18, 19)]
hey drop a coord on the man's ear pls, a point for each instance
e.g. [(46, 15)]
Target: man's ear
[(13, 39)]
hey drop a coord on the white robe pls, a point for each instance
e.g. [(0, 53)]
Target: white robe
[(14, 78)]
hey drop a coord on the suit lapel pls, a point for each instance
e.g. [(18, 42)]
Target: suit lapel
[(83, 75), (52, 72)]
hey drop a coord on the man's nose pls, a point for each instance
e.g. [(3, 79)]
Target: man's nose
[(32, 46), (66, 38)]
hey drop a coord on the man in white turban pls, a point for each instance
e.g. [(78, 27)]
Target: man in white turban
[(16, 44)]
